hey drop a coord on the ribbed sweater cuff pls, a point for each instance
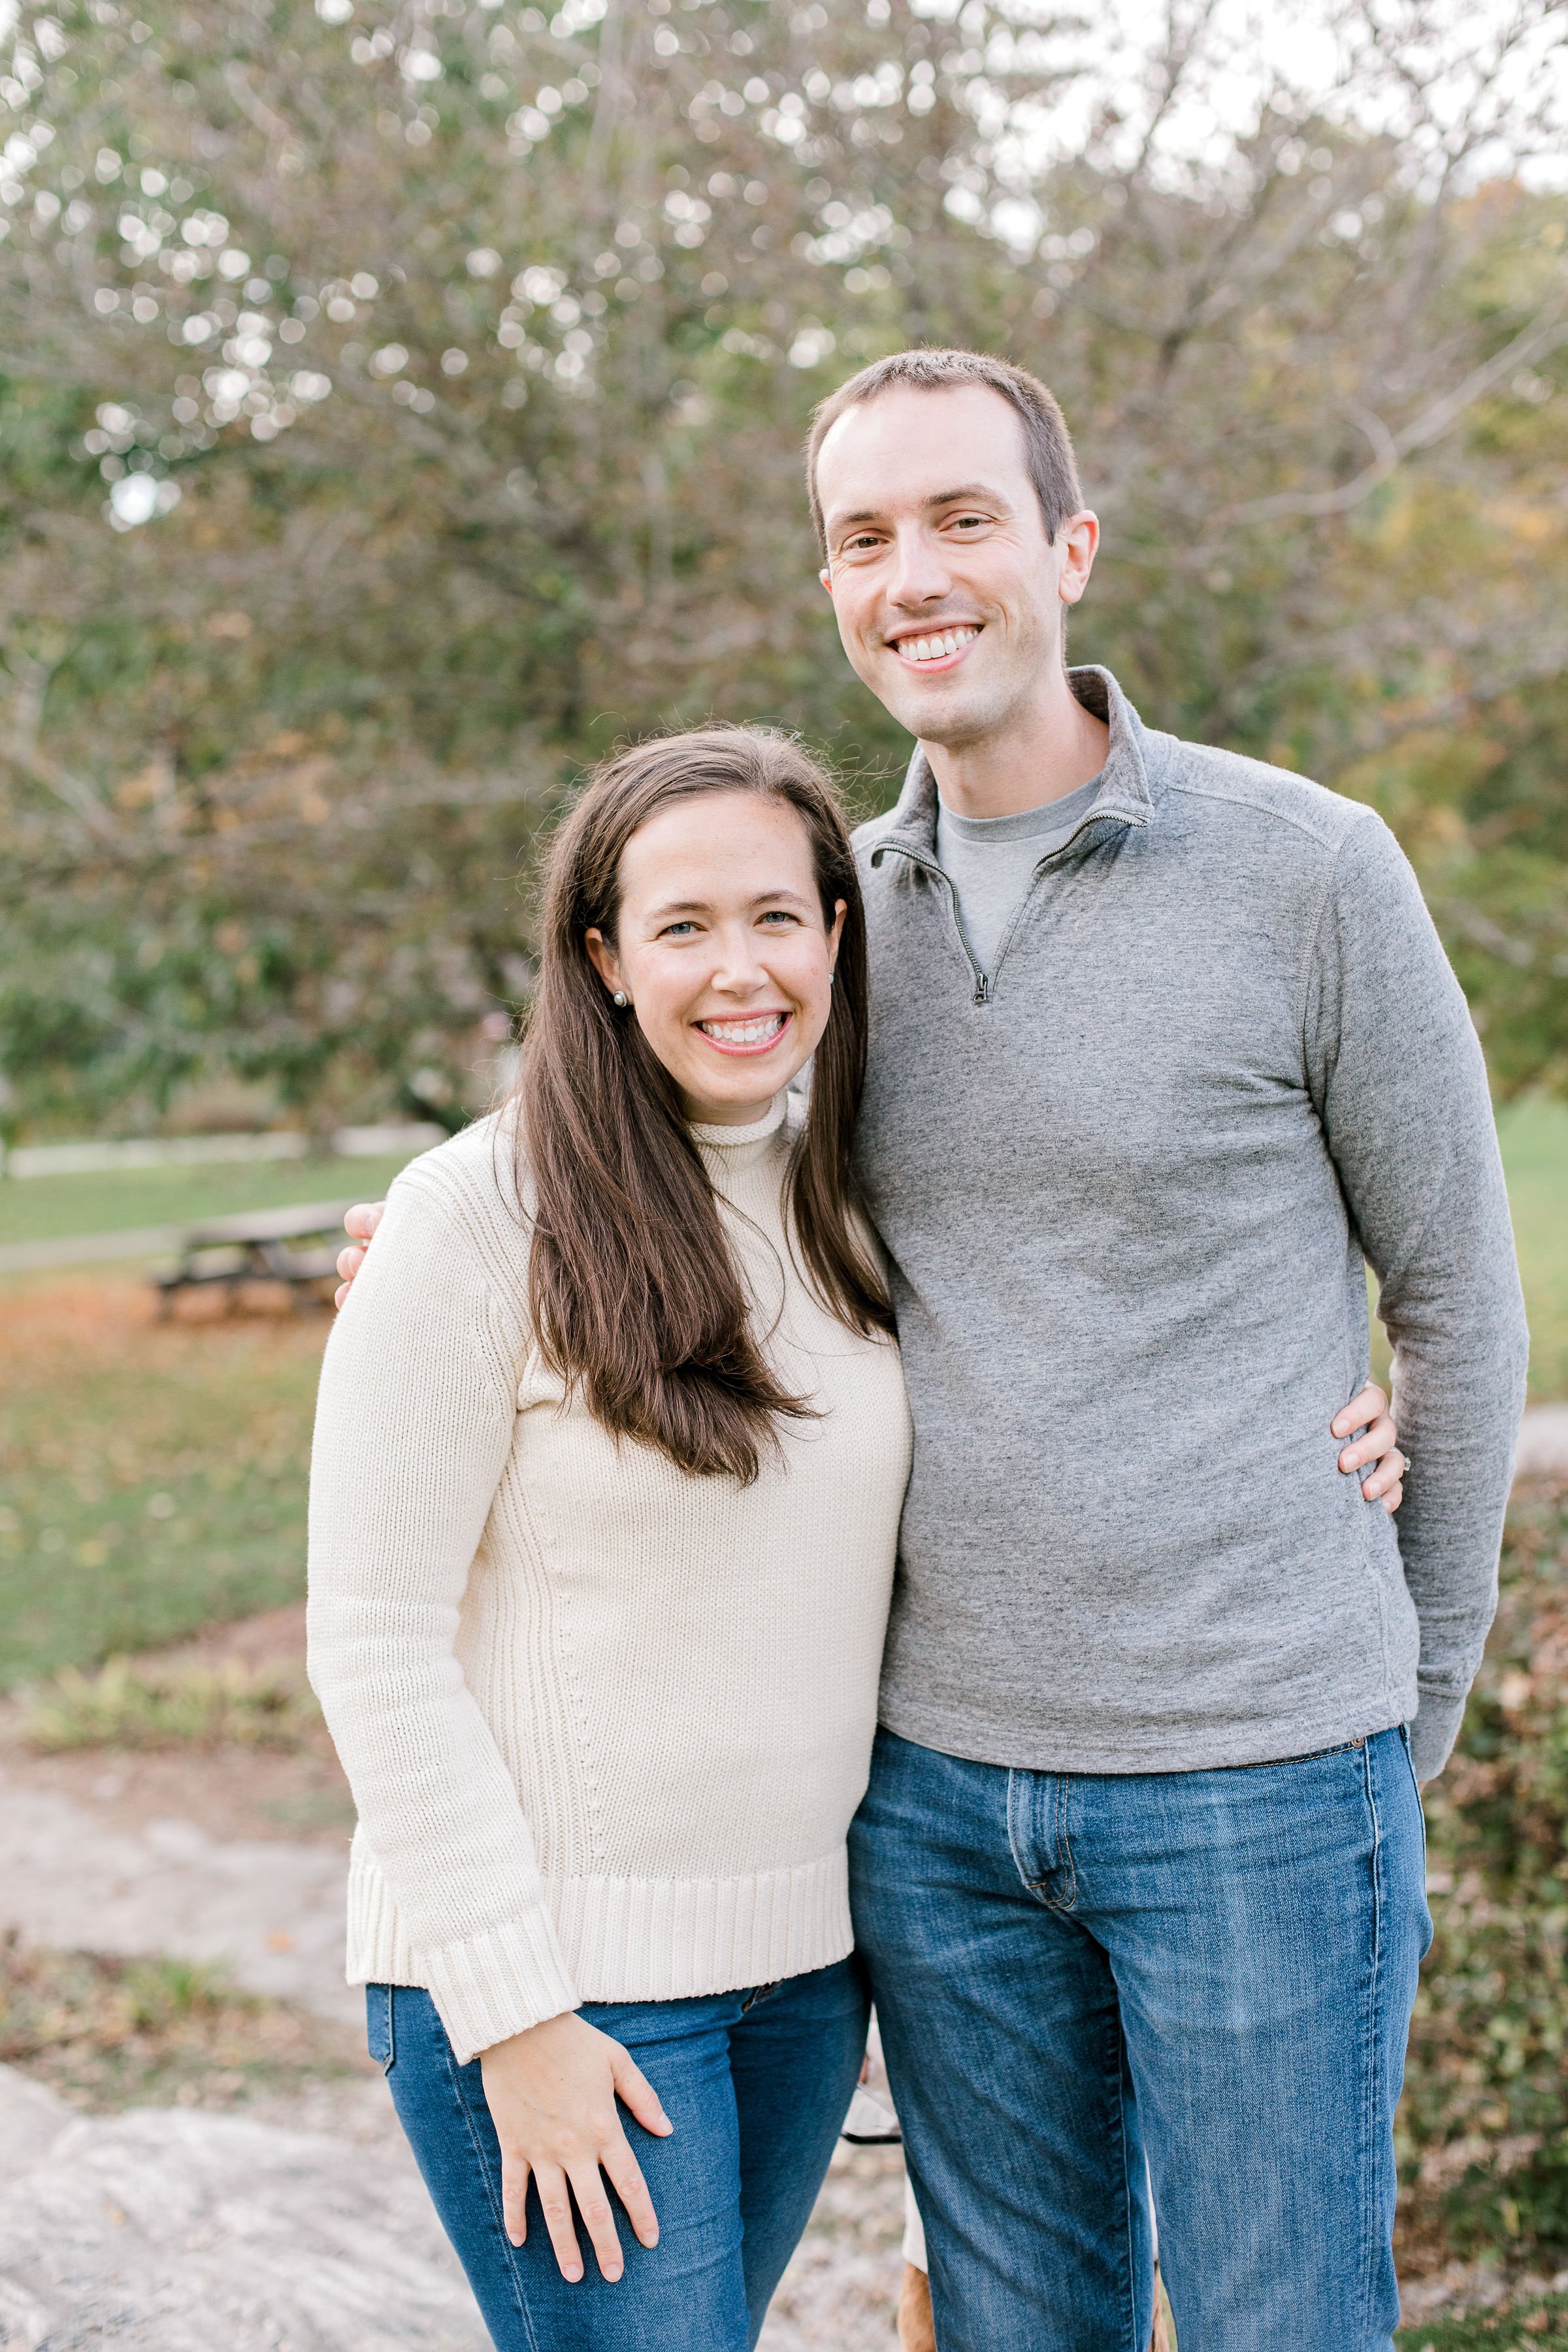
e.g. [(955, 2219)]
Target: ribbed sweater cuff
[(486, 1988), (1433, 1732), (492, 1986)]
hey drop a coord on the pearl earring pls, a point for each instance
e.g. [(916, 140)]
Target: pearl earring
[(621, 998)]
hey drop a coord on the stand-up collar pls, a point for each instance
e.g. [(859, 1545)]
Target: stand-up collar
[(727, 1150), (1126, 794)]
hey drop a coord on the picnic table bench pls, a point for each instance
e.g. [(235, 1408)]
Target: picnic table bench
[(298, 1247)]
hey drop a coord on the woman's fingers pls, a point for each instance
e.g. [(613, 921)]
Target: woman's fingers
[(626, 2180), (556, 2205), (594, 2205), (1369, 1405), (363, 1218), (1371, 1445), (1386, 1484), (633, 2087), (1378, 1444), (514, 2172)]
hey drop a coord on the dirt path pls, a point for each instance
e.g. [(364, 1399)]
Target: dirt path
[(196, 1854), (299, 2220)]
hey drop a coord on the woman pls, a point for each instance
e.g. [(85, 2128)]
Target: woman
[(608, 1465)]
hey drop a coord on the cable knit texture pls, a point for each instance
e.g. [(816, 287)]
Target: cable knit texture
[(605, 1724)]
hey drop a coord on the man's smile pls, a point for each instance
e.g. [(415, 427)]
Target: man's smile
[(932, 648)]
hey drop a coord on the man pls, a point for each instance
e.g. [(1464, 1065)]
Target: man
[(1163, 1045)]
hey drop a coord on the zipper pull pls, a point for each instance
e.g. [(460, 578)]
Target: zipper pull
[(982, 989)]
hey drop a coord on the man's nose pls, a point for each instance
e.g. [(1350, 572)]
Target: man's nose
[(920, 572)]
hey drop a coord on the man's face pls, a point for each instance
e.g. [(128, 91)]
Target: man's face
[(948, 594)]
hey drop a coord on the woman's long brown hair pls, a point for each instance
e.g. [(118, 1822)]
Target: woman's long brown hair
[(635, 1297)]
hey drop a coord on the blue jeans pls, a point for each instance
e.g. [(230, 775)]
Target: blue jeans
[(756, 2084), (1211, 1971)]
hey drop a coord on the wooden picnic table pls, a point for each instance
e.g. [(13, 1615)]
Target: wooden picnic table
[(266, 1245)]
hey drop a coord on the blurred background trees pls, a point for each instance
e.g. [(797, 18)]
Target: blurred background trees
[(401, 403)]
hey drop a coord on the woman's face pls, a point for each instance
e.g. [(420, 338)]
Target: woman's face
[(723, 949)]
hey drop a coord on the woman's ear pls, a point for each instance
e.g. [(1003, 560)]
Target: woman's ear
[(603, 959)]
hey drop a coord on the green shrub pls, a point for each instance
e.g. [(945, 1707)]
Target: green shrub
[(1483, 2128)]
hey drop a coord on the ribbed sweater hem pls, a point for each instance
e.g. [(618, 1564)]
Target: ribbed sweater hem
[(606, 1940)]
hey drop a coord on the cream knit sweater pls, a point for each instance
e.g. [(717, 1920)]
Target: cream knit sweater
[(605, 1724)]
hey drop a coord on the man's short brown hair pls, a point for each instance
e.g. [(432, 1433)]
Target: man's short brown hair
[(1047, 445)]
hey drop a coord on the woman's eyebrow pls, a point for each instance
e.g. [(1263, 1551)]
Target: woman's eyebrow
[(673, 907)]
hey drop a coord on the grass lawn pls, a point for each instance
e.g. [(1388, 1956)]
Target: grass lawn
[(1535, 1154), (50, 1208), (1534, 1137), (152, 1475)]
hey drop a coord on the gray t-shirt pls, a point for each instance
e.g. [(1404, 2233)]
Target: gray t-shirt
[(991, 860)]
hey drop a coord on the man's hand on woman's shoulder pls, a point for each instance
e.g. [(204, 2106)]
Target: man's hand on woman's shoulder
[(361, 1222)]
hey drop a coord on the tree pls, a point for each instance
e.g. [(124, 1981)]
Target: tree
[(402, 403)]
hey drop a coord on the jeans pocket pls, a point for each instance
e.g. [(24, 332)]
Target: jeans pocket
[(378, 2025)]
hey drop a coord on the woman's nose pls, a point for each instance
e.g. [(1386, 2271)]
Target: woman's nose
[(739, 966)]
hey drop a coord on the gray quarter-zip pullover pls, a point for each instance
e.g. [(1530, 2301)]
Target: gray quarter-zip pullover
[(1127, 1179), (991, 861)]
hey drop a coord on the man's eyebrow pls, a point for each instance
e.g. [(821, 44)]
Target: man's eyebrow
[(986, 493)]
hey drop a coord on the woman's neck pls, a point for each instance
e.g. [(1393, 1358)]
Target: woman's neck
[(726, 1114)]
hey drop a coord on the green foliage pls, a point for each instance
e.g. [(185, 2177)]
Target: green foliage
[(275, 756), (1483, 2128)]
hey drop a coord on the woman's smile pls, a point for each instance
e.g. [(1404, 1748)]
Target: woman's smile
[(744, 1033)]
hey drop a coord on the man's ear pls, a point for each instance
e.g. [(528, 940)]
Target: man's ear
[(1080, 534), (826, 579)]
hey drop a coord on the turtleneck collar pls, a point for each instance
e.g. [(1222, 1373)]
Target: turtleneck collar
[(742, 1147)]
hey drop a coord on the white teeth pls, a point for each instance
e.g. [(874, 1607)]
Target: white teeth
[(743, 1032), (920, 649)]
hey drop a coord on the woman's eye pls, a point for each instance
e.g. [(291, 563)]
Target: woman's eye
[(779, 915), (677, 930)]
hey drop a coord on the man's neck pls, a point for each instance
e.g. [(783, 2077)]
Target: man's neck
[(1040, 755)]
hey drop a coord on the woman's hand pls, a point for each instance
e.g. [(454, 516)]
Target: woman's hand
[(1378, 1443), (551, 2095), (362, 1223)]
